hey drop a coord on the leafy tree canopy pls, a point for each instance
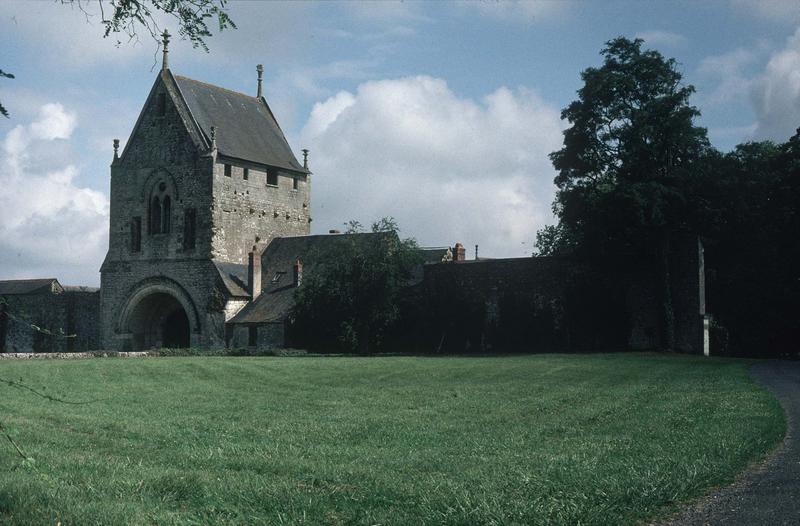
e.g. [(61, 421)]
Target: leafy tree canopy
[(349, 296), (630, 146)]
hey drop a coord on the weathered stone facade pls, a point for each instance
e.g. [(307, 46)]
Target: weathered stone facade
[(180, 206), (48, 318)]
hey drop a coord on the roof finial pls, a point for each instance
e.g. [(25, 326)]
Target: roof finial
[(213, 137), (116, 149), (165, 41), (305, 158), (260, 70)]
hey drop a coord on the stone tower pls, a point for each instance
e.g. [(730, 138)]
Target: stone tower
[(206, 176)]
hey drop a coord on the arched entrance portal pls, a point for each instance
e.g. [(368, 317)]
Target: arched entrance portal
[(159, 320)]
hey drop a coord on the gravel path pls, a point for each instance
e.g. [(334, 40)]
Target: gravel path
[(770, 494)]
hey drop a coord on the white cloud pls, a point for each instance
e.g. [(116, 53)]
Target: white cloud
[(447, 168), (65, 34), (663, 38), (776, 93), (49, 226), (728, 73)]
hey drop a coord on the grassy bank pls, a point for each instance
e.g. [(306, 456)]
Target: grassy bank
[(547, 439)]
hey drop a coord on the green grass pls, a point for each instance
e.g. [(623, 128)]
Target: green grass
[(547, 439)]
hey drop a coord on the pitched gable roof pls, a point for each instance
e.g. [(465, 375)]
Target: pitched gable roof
[(278, 259), (30, 286), (246, 127), (234, 277)]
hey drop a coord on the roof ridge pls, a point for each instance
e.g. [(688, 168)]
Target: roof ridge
[(217, 87), (27, 279)]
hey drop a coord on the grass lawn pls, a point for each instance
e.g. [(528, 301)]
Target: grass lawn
[(542, 439)]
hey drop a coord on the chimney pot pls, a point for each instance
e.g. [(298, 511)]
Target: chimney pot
[(254, 273), (298, 272), (459, 253)]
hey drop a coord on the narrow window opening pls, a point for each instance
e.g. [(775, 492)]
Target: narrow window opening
[(166, 215), (136, 234), (295, 183), (155, 216), (252, 336), (162, 104), (227, 170), (189, 226), (246, 174), (272, 178)]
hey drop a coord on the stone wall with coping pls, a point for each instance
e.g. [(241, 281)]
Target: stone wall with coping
[(67, 322)]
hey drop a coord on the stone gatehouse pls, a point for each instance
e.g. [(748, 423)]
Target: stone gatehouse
[(210, 230)]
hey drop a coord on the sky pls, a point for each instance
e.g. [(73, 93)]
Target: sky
[(439, 114)]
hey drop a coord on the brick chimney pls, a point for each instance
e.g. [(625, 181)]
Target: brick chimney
[(298, 273), (459, 254), (254, 273)]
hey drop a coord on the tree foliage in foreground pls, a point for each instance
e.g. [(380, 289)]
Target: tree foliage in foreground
[(627, 155), (350, 296), (750, 224), (630, 147), (130, 18), (634, 171)]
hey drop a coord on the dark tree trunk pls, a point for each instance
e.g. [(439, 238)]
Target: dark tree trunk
[(667, 311)]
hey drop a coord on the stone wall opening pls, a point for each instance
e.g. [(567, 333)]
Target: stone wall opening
[(159, 320)]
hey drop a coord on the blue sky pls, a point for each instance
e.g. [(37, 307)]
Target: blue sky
[(440, 114)]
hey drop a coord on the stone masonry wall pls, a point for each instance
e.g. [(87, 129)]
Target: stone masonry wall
[(161, 159), (559, 304), (69, 322), (231, 214), (160, 151), (198, 279), (524, 304), (250, 211)]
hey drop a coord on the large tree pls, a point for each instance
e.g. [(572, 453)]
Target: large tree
[(627, 156), (129, 19), (750, 229), (350, 295)]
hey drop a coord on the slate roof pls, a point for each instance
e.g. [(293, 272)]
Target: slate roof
[(245, 126), (278, 259), (234, 277), (30, 286)]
